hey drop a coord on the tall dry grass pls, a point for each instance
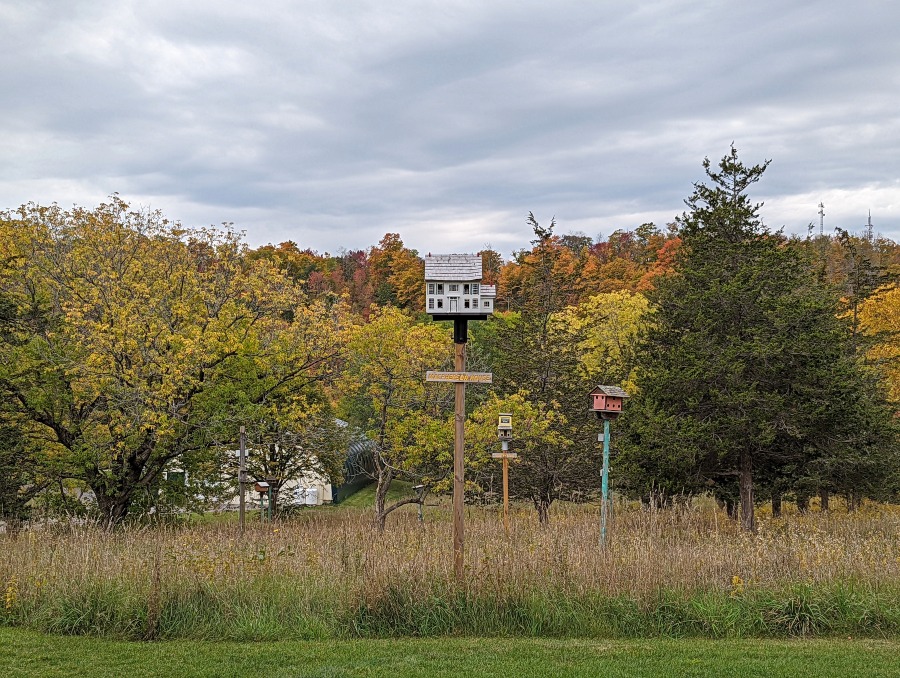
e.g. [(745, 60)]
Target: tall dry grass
[(327, 573)]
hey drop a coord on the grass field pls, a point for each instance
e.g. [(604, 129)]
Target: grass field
[(325, 574), (26, 654)]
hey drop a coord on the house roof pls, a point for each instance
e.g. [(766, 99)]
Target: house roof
[(614, 391), (453, 267), (488, 291)]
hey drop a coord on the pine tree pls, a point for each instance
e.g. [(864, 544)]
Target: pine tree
[(746, 364)]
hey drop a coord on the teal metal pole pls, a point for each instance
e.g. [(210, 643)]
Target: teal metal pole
[(604, 507)]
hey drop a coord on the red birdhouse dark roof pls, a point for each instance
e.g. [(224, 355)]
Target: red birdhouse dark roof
[(613, 391)]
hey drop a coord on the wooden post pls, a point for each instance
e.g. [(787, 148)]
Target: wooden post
[(459, 482), (242, 475), (505, 456), (506, 494), (460, 378)]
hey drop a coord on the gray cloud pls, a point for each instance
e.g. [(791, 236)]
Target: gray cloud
[(333, 123)]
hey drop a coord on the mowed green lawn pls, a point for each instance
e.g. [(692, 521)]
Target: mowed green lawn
[(26, 653)]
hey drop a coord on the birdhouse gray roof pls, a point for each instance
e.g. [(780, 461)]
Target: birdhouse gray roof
[(614, 391), (453, 267)]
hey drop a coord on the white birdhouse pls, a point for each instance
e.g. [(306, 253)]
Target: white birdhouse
[(453, 287)]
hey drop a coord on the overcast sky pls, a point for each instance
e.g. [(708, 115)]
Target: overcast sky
[(330, 123)]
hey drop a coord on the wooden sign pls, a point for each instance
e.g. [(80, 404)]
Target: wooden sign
[(460, 377), (504, 455)]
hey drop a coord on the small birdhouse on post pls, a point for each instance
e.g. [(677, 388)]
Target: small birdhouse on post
[(607, 401), (504, 432), (504, 427)]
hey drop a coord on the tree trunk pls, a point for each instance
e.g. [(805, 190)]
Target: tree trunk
[(824, 496), (114, 509), (731, 507), (803, 503), (776, 504), (748, 519), (542, 504), (381, 489)]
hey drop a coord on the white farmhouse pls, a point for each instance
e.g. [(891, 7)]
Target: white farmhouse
[(453, 287)]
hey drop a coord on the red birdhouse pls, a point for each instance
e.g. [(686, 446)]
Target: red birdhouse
[(607, 401)]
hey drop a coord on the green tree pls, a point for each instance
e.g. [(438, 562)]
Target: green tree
[(745, 363)]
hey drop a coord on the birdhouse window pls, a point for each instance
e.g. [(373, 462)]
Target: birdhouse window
[(487, 304), (453, 287), (430, 288), (440, 303), (430, 304), (467, 289), (475, 287), (466, 304)]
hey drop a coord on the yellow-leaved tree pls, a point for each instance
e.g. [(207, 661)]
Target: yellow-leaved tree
[(879, 317), (537, 428), (606, 327), (147, 325), (384, 392)]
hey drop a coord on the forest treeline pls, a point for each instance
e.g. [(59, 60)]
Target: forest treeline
[(762, 367)]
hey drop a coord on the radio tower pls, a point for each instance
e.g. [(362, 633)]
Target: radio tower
[(869, 234), (821, 219)]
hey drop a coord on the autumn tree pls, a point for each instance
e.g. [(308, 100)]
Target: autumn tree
[(605, 330), (539, 358), (397, 274), (879, 320), (20, 473), (144, 317), (385, 394)]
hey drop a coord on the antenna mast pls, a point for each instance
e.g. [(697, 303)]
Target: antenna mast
[(869, 233), (821, 219)]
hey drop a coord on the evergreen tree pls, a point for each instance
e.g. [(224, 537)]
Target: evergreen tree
[(746, 367)]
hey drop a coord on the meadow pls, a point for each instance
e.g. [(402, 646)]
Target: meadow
[(325, 574)]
